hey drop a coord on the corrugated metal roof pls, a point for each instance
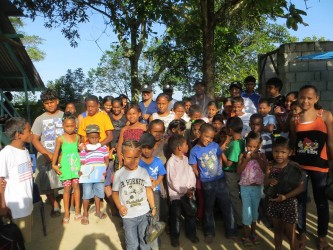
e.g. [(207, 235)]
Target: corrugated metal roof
[(15, 63)]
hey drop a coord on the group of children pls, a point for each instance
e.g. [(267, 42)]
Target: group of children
[(221, 158)]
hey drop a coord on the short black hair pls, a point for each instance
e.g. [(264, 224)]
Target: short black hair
[(218, 117), (275, 81), (281, 141), (253, 136), (206, 127), (107, 98), (163, 95), (68, 115), (187, 99), (235, 123), (249, 79), (14, 125), (49, 94), (199, 121), (194, 109), (294, 93), (215, 103), (133, 144), (155, 122), (238, 99), (178, 104), (92, 98), (178, 124), (256, 116), (118, 99), (133, 106), (264, 100), (175, 141)]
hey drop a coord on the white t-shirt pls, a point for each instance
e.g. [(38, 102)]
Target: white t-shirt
[(16, 168), (131, 186), (246, 123)]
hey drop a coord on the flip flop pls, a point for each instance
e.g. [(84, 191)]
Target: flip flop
[(84, 220), (101, 215), (77, 217), (65, 220)]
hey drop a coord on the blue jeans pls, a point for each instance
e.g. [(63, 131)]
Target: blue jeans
[(217, 191), (175, 213), (135, 230), (319, 183), (251, 196)]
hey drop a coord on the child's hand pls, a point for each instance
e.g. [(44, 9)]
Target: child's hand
[(104, 174), (153, 212), (123, 210), (57, 169), (272, 182), (190, 193), (280, 198), (80, 173), (82, 146)]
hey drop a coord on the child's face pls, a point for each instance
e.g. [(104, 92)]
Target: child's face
[(51, 106), (281, 154), (196, 116), (92, 107), (227, 107), (116, 108), (234, 92), (264, 109), (295, 109), (256, 125), (26, 135), (179, 112), (212, 110), (187, 106), (93, 138), (107, 106), (218, 125), (249, 87), (237, 108), (131, 158), (206, 137), (183, 148), (272, 91), (307, 99), (69, 126), (196, 129), (252, 145), (162, 105), (147, 152), (157, 131), (289, 99), (124, 101), (70, 107), (133, 115)]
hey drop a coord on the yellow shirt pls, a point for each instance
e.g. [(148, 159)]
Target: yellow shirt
[(101, 119)]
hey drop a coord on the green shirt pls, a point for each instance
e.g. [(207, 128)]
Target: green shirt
[(235, 148)]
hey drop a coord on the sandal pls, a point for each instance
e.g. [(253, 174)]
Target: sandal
[(101, 215), (246, 242), (84, 220), (77, 217), (323, 244), (55, 214), (65, 220)]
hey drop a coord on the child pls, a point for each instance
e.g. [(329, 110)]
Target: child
[(99, 155), (155, 169), (70, 107), (204, 159), (230, 161), (177, 127), (46, 128), (256, 124), (16, 170), (273, 88), (283, 209), (251, 168), (251, 98), (132, 131), (194, 132), (179, 110), (195, 113), (107, 104), (235, 89), (218, 124), (237, 107), (133, 196), (269, 121), (212, 110), (290, 98), (163, 113), (226, 112), (69, 165), (187, 103), (181, 181)]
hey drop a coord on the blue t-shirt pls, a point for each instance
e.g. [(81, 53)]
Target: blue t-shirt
[(269, 119), (154, 169), (152, 108), (207, 159)]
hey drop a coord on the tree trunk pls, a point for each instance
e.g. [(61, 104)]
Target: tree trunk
[(208, 26), (135, 84)]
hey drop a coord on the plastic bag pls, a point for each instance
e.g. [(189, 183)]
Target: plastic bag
[(189, 205), (154, 229)]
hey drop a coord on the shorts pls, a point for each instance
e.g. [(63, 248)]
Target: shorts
[(286, 210), (90, 190), (25, 225), (107, 181), (69, 183)]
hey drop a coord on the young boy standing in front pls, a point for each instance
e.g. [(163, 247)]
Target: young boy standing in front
[(269, 121), (205, 161), (230, 161), (133, 196), (45, 129), (238, 107), (16, 169)]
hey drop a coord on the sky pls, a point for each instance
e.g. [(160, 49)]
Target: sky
[(95, 39)]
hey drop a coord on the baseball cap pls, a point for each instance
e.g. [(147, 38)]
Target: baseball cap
[(146, 88), (167, 87), (92, 128), (235, 84), (147, 139)]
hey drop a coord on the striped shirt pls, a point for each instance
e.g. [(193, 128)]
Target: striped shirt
[(94, 157)]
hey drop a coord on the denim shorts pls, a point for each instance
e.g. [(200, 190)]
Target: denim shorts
[(90, 190)]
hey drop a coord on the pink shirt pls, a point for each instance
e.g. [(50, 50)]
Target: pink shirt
[(252, 174)]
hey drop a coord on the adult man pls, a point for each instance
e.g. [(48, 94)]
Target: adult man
[(168, 90), (251, 98), (147, 105), (200, 98)]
